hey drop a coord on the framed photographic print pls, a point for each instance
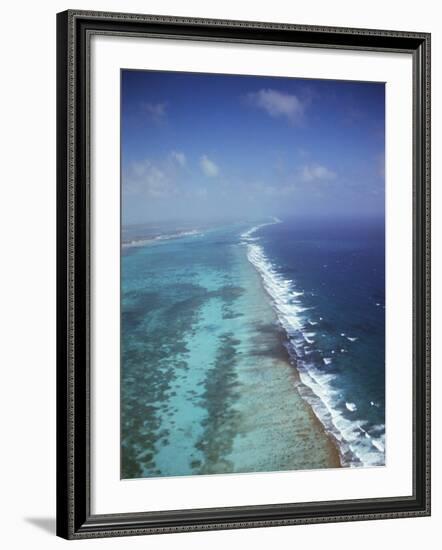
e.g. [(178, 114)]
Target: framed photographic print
[(243, 274)]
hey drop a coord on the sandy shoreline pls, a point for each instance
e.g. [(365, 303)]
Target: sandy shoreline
[(282, 354), (274, 416), (335, 459)]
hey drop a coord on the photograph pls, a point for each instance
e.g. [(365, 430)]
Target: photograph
[(222, 265), (252, 281)]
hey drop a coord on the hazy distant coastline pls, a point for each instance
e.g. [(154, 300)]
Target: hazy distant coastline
[(159, 238)]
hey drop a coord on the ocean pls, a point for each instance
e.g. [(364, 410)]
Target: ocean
[(252, 347)]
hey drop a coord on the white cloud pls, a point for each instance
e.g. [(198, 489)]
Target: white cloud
[(278, 104), (316, 172), (179, 157), (274, 191), (148, 180), (208, 167), (156, 111)]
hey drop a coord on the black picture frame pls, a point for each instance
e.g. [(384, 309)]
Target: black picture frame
[(74, 518)]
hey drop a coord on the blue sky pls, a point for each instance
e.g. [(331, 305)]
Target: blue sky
[(208, 147)]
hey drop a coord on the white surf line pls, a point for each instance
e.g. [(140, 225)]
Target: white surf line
[(247, 234), (345, 431)]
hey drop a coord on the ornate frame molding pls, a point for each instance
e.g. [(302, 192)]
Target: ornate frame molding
[(74, 29)]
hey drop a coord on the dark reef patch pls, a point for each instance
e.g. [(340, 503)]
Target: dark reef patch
[(152, 358), (269, 340), (220, 394)]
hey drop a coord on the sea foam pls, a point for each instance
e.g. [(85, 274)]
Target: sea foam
[(358, 444)]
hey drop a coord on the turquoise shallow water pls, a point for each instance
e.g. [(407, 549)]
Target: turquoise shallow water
[(206, 382)]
